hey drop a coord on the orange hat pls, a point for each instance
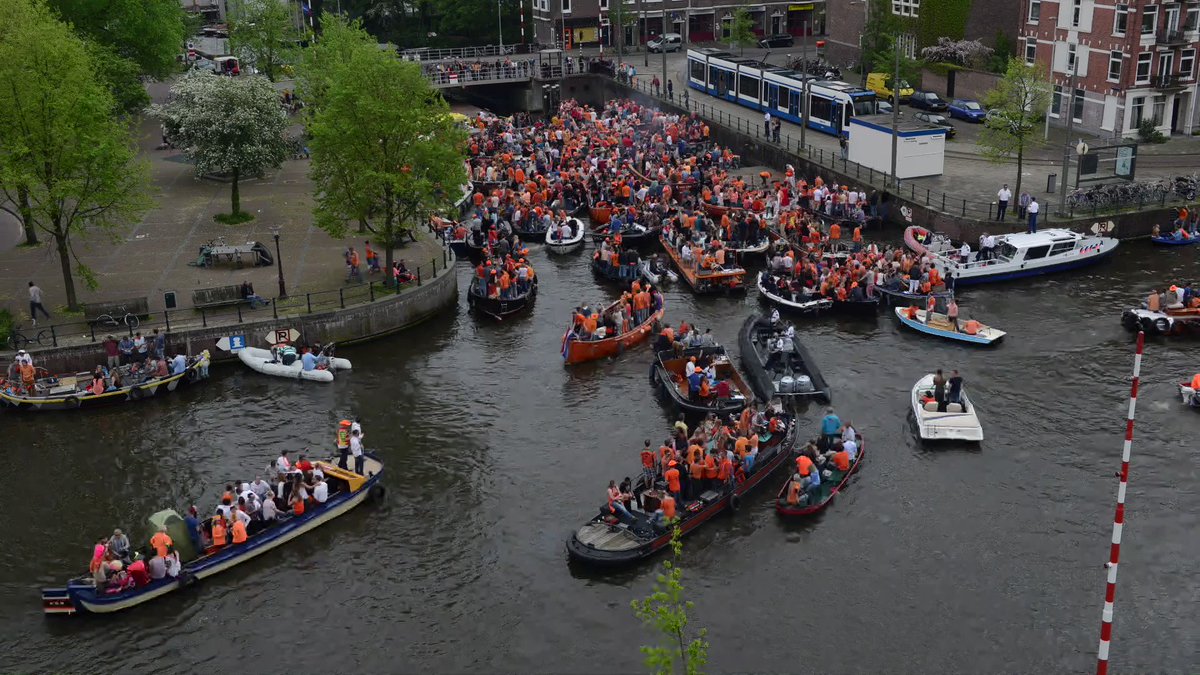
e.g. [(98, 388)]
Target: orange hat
[(344, 423), (699, 369)]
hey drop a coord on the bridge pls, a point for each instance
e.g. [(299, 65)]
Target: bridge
[(460, 71)]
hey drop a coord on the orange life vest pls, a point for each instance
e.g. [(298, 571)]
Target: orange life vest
[(218, 532), (804, 465), (239, 532)]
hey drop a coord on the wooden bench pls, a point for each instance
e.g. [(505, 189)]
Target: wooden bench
[(116, 309), (218, 296)]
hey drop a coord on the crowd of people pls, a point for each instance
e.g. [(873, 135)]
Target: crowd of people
[(503, 277), (636, 306), (836, 449)]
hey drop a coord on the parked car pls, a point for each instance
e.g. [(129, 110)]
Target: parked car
[(937, 121), (778, 40), (880, 83), (882, 107), (927, 100), (967, 109), (667, 42)]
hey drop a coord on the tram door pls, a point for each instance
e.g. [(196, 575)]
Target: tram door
[(772, 96), (836, 118), (794, 104)]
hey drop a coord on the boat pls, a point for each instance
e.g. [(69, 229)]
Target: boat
[(810, 305), (668, 376), (501, 308), (346, 491), (941, 326), (606, 271), (832, 482), (578, 351), (600, 213), (958, 423), (1190, 396), (1162, 322), (600, 542), (570, 244), (900, 298), (633, 235), (755, 251), (1168, 240), (533, 235), (657, 278), (864, 307), (265, 362), (722, 281), (794, 376), (72, 390), (1015, 256)]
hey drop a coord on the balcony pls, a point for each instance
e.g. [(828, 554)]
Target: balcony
[(1168, 83), (1170, 37)]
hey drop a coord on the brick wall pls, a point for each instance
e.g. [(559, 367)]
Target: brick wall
[(967, 83)]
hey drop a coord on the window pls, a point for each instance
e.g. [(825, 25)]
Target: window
[(1149, 20), (566, 6), (906, 7), (1071, 47), (1061, 247), (1035, 252), (697, 70), (1075, 11), (1187, 63), (1114, 66), (1192, 20), (1030, 50), (908, 45), (748, 86), (1160, 109), (1077, 105), (1143, 68), (820, 109), (1056, 100), (1035, 11), (1121, 19), (604, 5), (1137, 110)]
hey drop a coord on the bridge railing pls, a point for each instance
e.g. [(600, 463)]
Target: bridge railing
[(431, 54)]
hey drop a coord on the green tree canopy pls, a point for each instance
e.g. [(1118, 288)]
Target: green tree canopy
[(1015, 106), (741, 29), (263, 33), (227, 125), (385, 151), (68, 166)]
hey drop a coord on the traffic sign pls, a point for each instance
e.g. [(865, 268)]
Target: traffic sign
[(232, 343), (907, 213), (280, 335)]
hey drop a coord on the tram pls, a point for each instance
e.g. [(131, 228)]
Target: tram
[(763, 87)]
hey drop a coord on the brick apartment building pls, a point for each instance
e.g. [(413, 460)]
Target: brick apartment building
[(1133, 60), (591, 22)]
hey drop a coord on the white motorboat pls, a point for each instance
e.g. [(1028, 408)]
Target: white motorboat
[(657, 278), (570, 245), (958, 423), (813, 303), (1190, 396), (264, 362), (1015, 255)]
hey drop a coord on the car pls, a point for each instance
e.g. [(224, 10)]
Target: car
[(880, 84), (937, 121), (667, 42), (967, 109), (883, 107), (927, 100), (778, 40)]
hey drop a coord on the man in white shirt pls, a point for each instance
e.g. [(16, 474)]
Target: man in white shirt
[(260, 487), (269, 512), (356, 450), (767, 124), (1033, 209), (1003, 197), (321, 492), (23, 358), (35, 303), (283, 464)]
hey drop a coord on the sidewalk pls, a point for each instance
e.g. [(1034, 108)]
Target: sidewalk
[(153, 256)]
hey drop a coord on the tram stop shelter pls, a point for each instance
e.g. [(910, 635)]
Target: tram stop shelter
[(920, 148)]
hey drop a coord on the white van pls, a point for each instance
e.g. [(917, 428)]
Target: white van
[(667, 42)]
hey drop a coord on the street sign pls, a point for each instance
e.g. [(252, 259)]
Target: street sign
[(282, 335), (907, 213), (232, 343)]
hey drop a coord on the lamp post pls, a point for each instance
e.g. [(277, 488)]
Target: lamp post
[(1066, 167), (279, 261), (642, 35), (500, 25)]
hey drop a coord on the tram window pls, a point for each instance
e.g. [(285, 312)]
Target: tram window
[(785, 95), (864, 106), (1036, 252), (1062, 247), (748, 86), (820, 109), (697, 69)]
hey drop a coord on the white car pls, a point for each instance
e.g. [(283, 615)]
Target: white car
[(667, 42)]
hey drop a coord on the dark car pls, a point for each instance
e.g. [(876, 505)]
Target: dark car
[(927, 100), (937, 121), (779, 40)]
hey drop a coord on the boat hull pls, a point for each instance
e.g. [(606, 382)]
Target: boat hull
[(577, 351), (800, 510), (945, 426), (663, 378), (1172, 241), (814, 306), (260, 360), (756, 372), (501, 308), (600, 213), (564, 246), (726, 281), (156, 388), (986, 336)]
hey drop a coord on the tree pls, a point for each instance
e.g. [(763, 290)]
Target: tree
[(1015, 106), (970, 53), (139, 38), (68, 165), (262, 33), (227, 125), (741, 30), (666, 611), (620, 17), (385, 151)]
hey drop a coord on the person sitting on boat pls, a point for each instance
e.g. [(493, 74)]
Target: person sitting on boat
[(707, 340), (810, 476), (97, 387), (795, 492), (118, 545), (616, 503)]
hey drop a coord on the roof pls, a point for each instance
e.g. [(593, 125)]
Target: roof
[(1041, 237), (905, 127)]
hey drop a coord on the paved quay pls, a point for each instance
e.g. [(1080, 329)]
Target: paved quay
[(155, 256)]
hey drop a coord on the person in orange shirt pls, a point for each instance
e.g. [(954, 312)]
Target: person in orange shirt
[(161, 541), (674, 483)]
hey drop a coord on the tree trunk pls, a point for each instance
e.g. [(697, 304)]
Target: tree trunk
[(235, 197), (26, 215), (362, 225), (388, 280), (64, 259), (1020, 164)]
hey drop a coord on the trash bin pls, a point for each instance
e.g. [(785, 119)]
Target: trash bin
[(1051, 183)]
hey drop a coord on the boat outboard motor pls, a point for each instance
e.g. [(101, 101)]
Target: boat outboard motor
[(803, 385)]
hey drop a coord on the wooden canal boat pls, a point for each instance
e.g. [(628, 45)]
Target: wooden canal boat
[(706, 282)]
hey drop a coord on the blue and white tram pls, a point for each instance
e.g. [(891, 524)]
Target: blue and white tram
[(761, 87)]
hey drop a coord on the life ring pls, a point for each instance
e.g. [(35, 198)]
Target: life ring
[(72, 402), (136, 393), (1163, 325), (735, 502)]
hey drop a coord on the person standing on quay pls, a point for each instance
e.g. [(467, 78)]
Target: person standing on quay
[(35, 302), (1033, 211), (767, 124), (1003, 197)]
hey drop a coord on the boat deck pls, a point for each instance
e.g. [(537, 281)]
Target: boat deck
[(705, 282)]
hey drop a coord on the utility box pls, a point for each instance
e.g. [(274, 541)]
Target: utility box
[(920, 147)]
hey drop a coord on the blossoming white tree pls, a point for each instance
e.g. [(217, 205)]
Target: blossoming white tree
[(230, 126)]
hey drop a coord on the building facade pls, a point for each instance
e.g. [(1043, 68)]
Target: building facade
[(589, 23), (1132, 61)]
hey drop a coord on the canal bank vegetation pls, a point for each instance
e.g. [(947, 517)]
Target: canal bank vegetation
[(68, 162), (666, 611), (1015, 108), (386, 154)]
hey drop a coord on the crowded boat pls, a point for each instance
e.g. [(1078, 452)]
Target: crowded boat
[(823, 467), (610, 331), (502, 285)]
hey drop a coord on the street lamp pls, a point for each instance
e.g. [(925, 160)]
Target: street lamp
[(278, 261), (500, 25)]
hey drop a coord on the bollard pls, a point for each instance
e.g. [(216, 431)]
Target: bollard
[(275, 308), (342, 297), (964, 207), (239, 311), (926, 196), (418, 275), (203, 321), (167, 319), (371, 286), (990, 215), (445, 263), (943, 201), (53, 336), (912, 191), (857, 171), (435, 267), (93, 327), (308, 299)]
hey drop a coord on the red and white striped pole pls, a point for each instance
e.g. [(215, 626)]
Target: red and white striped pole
[(1119, 519), (522, 6)]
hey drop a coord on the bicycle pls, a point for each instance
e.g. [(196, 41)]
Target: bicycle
[(128, 319), (18, 340)]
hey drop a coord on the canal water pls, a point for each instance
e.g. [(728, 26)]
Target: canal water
[(937, 559)]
